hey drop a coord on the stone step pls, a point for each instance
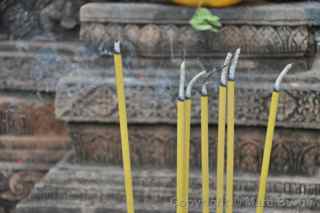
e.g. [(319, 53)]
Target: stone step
[(164, 195), (92, 175), (85, 188), (64, 207)]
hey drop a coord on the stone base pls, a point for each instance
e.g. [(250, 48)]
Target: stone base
[(88, 188)]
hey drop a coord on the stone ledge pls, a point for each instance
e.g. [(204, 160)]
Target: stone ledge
[(83, 188), (255, 13)]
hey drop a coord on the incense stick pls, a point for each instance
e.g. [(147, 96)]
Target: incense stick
[(221, 136), (180, 142), (205, 149), (123, 127), (188, 109), (269, 139), (230, 132)]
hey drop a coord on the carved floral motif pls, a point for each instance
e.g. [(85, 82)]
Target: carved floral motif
[(151, 103), (155, 146), (16, 186), (167, 40)]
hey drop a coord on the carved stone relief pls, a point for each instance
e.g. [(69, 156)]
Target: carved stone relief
[(152, 40), (154, 146)]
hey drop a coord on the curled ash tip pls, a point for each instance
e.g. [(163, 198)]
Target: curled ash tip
[(182, 80), (192, 82), (277, 84), (204, 89), (224, 73), (234, 64), (117, 48)]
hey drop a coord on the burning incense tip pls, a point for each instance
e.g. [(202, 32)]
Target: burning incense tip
[(234, 65), (182, 80), (192, 82), (204, 90), (117, 48), (281, 76), (224, 74)]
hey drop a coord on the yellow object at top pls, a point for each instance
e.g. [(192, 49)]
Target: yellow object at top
[(207, 3)]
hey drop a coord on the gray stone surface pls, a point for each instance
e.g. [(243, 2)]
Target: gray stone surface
[(37, 66), (253, 13), (86, 188)]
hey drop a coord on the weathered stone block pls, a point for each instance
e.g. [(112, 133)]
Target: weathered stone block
[(267, 33), (154, 146), (152, 100), (100, 188)]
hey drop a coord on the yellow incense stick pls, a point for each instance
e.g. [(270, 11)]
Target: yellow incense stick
[(180, 156), (220, 150), (230, 132), (205, 150), (267, 152), (230, 146), (187, 105), (123, 128), (268, 141), (221, 136), (188, 109), (180, 205)]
